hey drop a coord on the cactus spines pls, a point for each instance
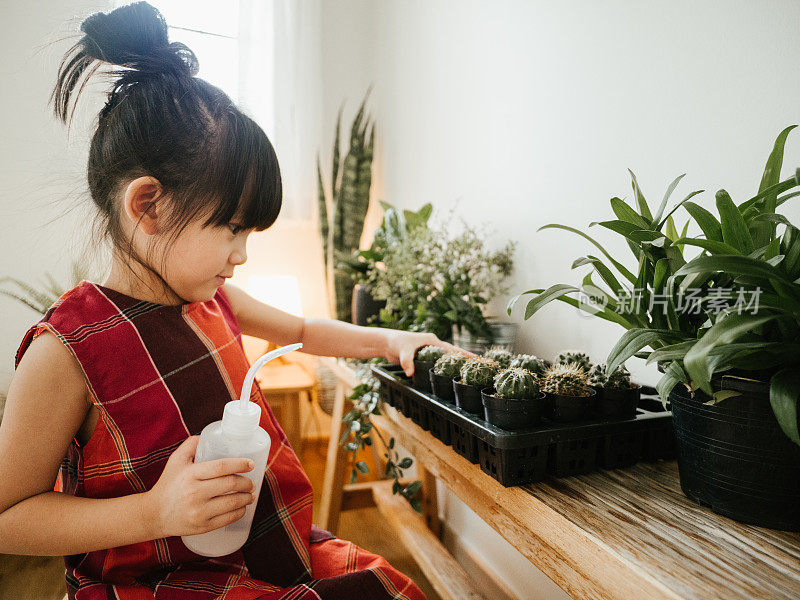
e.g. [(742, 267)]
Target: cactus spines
[(574, 357), (517, 383), (430, 354), (449, 364), (620, 379), (500, 354), (565, 380), (529, 362), (479, 371)]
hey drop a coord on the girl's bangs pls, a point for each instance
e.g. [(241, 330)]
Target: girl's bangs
[(245, 175)]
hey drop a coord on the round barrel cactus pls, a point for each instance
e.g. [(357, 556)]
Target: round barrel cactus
[(597, 375), (430, 354), (565, 380), (500, 354), (529, 362), (517, 383), (620, 379), (573, 357), (449, 364), (479, 371)]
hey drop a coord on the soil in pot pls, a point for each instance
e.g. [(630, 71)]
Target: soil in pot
[(512, 413), (442, 387), (734, 457), (563, 409), (612, 403), (422, 379), (468, 397)]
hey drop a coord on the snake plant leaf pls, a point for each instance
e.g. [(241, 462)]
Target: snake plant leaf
[(710, 245), (335, 174), (620, 267), (734, 228), (734, 265), (644, 210), (323, 213), (705, 220), (634, 340), (663, 206), (626, 213), (784, 390), (728, 328)]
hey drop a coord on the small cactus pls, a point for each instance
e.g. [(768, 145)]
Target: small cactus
[(573, 357), (430, 354), (565, 380), (449, 364), (529, 362), (620, 379), (517, 383), (479, 371), (500, 354)]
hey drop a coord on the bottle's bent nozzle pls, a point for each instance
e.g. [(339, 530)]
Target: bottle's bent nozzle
[(251, 373)]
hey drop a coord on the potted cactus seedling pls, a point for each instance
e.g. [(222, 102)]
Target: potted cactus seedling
[(502, 355), (529, 362), (569, 394), (516, 402), (475, 375), (424, 360), (574, 357), (616, 395), (444, 371)]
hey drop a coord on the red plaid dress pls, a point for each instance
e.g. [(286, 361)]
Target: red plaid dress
[(158, 374)]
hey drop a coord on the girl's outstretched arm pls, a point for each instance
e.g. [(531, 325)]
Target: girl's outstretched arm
[(329, 337)]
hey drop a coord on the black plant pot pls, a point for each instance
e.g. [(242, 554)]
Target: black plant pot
[(618, 403), (510, 413), (421, 377), (442, 387), (563, 409), (734, 457), (468, 398), (364, 306)]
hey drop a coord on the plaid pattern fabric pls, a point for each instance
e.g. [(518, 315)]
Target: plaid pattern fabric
[(158, 374)]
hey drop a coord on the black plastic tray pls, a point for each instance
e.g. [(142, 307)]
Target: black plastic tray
[(525, 456)]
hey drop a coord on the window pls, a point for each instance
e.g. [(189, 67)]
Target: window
[(211, 29)]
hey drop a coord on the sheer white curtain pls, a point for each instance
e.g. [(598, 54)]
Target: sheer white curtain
[(280, 81)]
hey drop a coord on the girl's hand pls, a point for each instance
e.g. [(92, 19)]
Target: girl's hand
[(192, 498), (403, 346)]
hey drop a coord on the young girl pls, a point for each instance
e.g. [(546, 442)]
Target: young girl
[(114, 384)]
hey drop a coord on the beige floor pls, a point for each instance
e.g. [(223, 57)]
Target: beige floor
[(42, 578)]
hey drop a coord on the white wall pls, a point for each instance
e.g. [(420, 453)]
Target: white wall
[(527, 112)]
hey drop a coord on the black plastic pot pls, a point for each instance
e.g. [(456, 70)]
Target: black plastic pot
[(613, 403), (421, 377), (364, 306), (442, 387), (563, 409), (734, 457), (510, 413), (468, 398)]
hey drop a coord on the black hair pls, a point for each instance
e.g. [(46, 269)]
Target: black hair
[(162, 121)]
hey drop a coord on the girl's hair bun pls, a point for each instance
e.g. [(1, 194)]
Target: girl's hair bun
[(135, 36)]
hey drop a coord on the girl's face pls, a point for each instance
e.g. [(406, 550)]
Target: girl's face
[(202, 258)]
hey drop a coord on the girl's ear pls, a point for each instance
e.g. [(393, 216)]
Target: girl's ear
[(141, 206)]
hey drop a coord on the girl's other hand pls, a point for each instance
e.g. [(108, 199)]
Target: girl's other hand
[(192, 498), (403, 347)]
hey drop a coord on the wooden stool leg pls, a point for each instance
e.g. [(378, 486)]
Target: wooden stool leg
[(335, 468), (430, 500), (291, 402)]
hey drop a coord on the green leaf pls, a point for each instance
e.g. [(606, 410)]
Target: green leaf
[(710, 245), (644, 210), (732, 265), (673, 375), (677, 206), (784, 390), (626, 213), (634, 340), (668, 193), (406, 463), (621, 268), (670, 352), (362, 466), (543, 298), (705, 220), (734, 229)]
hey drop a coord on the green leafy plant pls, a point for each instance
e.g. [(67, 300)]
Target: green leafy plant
[(41, 298), (343, 209), (741, 252), (517, 383), (565, 380), (356, 436)]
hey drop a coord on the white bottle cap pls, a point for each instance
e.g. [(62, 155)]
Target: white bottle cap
[(240, 419)]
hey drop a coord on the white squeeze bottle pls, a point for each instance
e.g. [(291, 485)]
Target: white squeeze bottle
[(237, 435)]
